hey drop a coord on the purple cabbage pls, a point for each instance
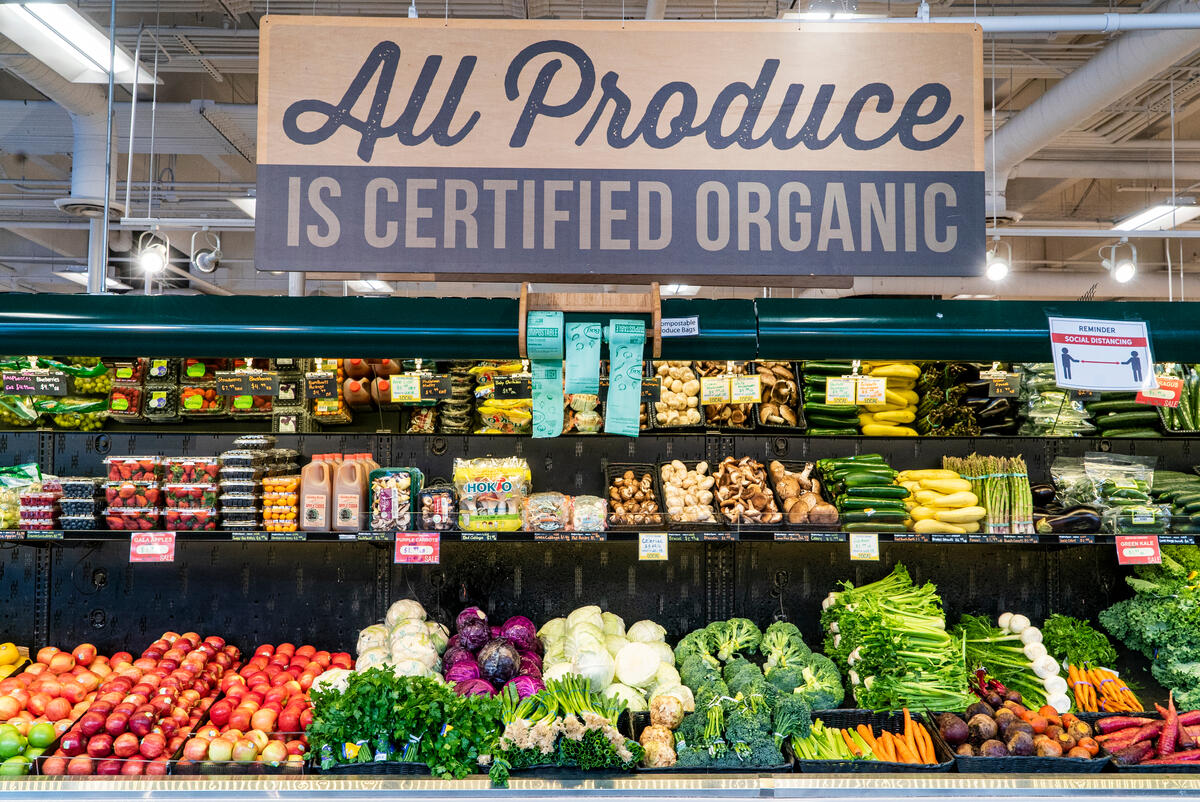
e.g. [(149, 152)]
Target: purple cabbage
[(455, 655), (521, 631), (495, 632), (461, 672), (530, 665), (474, 634), (469, 614), (452, 641), (526, 686), (474, 687), (499, 661)]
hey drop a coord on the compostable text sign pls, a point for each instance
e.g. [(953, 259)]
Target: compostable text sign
[(598, 147)]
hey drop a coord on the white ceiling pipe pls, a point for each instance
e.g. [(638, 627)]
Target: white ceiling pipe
[(1055, 23), (1067, 168), (1106, 233), (1019, 284), (656, 9)]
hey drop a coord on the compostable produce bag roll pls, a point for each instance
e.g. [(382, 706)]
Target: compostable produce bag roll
[(626, 339), (583, 358), (544, 341)]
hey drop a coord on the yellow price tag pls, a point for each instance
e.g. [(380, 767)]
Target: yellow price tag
[(745, 389), (406, 389), (652, 545), (871, 390), (864, 546), (840, 392), (714, 390)]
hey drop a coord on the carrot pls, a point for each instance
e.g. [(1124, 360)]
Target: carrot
[(909, 740), (853, 747), (926, 744), (904, 752), (865, 733), (883, 748)]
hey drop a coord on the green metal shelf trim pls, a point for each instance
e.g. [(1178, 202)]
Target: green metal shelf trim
[(476, 328)]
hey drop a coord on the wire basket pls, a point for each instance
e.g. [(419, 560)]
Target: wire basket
[(892, 722)]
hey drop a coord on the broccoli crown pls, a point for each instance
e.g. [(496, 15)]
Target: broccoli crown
[(693, 644), (785, 680), (742, 676), (761, 752), (783, 650), (696, 671), (744, 725), (784, 628), (792, 716), (736, 666), (822, 686), (690, 757), (713, 690), (691, 729)]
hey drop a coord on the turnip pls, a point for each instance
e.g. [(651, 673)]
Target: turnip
[(1031, 635), (1045, 666), (1055, 686), (1018, 624), (1059, 702), (1003, 621), (1034, 650)]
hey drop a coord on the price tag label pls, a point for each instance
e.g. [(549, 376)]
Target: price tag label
[(871, 390), (864, 546), (514, 388), (745, 389), (232, 383), (1138, 550), (1085, 395), (320, 385), (152, 547), (50, 382), (406, 388), (651, 388), (652, 545), (841, 392), (263, 383), (1001, 384), (714, 390), (418, 548), (1167, 394), (435, 388)]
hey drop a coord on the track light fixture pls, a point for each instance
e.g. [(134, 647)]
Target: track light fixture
[(207, 257), (153, 252), (1120, 260), (999, 260)]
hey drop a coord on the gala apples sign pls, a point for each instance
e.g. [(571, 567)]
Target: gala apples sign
[(552, 147)]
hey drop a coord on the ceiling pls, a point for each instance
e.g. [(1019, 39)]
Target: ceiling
[(1107, 166)]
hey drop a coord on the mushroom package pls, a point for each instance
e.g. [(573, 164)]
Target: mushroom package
[(743, 493), (688, 492), (800, 494), (780, 394), (679, 399)]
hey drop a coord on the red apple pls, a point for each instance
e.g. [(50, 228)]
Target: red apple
[(220, 750), (295, 747), (158, 766), (219, 713), (259, 738), (91, 723), (306, 718), (37, 703), (54, 766), (110, 767), (45, 653), (58, 709), (60, 662), (264, 720), (141, 724), (116, 723), (196, 749), (125, 708), (71, 743), (84, 654), (245, 751), (274, 752), (100, 745), (342, 660), (289, 720), (146, 663), (133, 767), (167, 726), (73, 692), (120, 657), (79, 766), (153, 745), (125, 745)]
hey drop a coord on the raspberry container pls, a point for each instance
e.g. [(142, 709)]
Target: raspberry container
[(132, 494), (38, 524), (197, 520), (38, 513), (39, 499), (128, 371), (130, 519), (137, 469), (191, 470), (190, 497)]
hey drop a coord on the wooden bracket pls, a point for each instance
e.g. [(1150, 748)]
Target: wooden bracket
[(600, 303)]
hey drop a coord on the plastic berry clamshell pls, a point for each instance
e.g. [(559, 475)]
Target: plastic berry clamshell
[(160, 403), (199, 400), (196, 520), (79, 506), (78, 522), (191, 470), (132, 494), (82, 487), (134, 469), (125, 402), (190, 497), (203, 370), (132, 519)]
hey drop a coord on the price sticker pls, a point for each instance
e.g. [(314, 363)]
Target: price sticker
[(652, 545), (1138, 550), (841, 392), (745, 389), (406, 389), (418, 548), (714, 390), (1001, 384), (871, 390), (232, 383), (152, 547), (320, 384), (1166, 394), (864, 546)]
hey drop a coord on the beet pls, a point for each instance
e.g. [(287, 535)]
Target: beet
[(979, 707), (994, 699), (965, 750), (953, 729), (983, 728), (1020, 743), (993, 748)]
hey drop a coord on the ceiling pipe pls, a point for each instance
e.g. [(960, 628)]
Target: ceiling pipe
[(1120, 68), (1067, 168), (656, 9), (1051, 23), (1048, 285)]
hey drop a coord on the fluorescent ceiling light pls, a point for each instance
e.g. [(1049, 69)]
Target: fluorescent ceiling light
[(1161, 217), (373, 286), (248, 205), (81, 280), (66, 42), (970, 297), (680, 289)]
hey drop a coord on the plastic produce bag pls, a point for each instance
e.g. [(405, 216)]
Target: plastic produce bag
[(1120, 481), (547, 512), (491, 492), (14, 481), (1046, 409)]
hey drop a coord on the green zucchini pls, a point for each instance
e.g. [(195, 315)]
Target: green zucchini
[(867, 479), (827, 422), (878, 491), (1143, 418), (826, 368), (833, 410), (860, 526), (877, 515), (1138, 432), (854, 459), (848, 503), (833, 432)]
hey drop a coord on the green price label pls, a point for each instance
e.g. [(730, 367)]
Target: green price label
[(243, 402), (120, 404), (193, 402), (196, 369)]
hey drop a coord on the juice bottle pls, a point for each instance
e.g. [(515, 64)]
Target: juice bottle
[(357, 368), (381, 392), (350, 494), (385, 367), (316, 488), (356, 393)]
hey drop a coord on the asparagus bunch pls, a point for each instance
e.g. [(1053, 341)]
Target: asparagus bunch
[(1002, 486)]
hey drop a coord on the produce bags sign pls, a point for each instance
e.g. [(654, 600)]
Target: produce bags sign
[(1101, 354), (562, 146)]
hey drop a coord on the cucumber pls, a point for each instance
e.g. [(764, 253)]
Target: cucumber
[(849, 503), (874, 527), (1185, 499), (883, 491), (875, 515), (1144, 418), (868, 479), (1097, 408), (1141, 432), (833, 432)]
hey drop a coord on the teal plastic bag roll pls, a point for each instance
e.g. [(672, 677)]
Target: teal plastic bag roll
[(626, 341), (544, 344), (583, 358)]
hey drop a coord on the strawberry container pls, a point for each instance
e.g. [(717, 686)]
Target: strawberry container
[(200, 400), (203, 370), (191, 470), (191, 520), (132, 519), (190, 497), (136, 469), (250, 406), (132, 494), (125, 402)]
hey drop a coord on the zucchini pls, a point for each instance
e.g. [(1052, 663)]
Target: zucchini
[(1142, 433), (878, 491), (860, 526), (826, 368), (872, 514), (854, 459), (828, 422), (885, 430), (832, 432), (931, 526), (851, 503), (867, 479), (1097, 408), (1127, 420), (833, 410)]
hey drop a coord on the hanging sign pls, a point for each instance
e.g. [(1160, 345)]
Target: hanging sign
[(152, 547), (1101, 354), (1138, 550), (563, 146), (1166, 394)]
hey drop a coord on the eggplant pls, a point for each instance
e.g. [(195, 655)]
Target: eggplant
[(1075, 521), (1043, 494), (998, 408)]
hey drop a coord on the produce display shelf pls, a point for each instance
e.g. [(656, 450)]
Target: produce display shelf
[(747, 786), (65, 537)]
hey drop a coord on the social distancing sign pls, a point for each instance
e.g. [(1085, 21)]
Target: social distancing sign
[(1103, 355)]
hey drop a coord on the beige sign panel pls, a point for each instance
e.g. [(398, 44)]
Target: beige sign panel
[(609, 147)]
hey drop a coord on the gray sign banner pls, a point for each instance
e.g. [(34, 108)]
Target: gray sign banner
[(649, 222)]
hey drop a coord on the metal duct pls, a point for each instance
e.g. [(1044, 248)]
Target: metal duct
[(1118, 69), (1130, 170)]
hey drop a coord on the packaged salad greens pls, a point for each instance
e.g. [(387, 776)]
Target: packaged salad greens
[(1048, 410)]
